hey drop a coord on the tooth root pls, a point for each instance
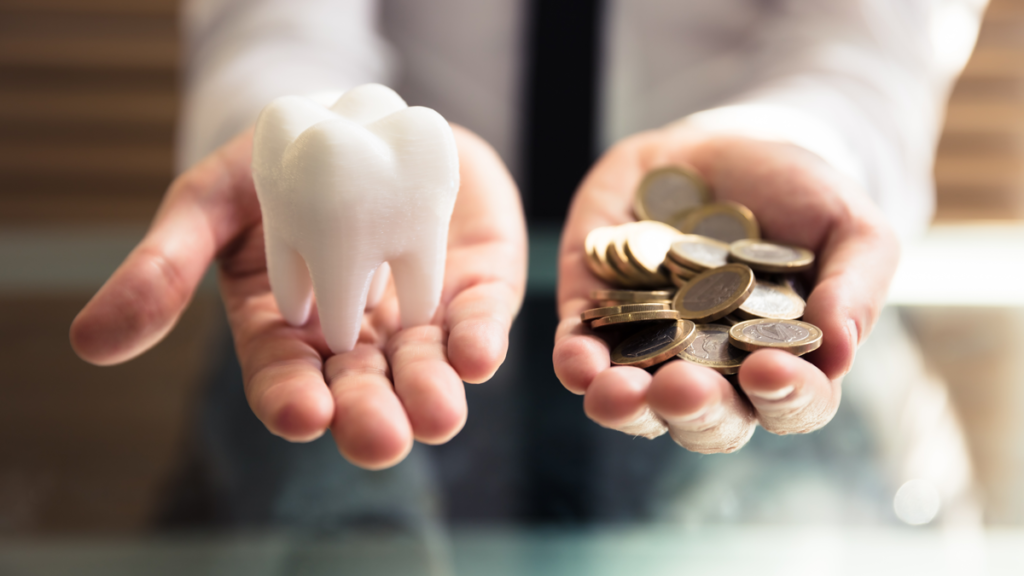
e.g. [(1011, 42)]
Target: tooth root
[(289, 279), (378, 285), (341, 290), (419, 277)]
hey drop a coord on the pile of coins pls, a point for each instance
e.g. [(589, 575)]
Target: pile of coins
[(697, 282)]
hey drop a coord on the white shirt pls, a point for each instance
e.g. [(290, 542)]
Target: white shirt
[(862, 83)]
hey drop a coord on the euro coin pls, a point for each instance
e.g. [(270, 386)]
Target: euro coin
[(712, 294), (698, 253), (678, 269), (769, 257), (725, 221), (621, 278), (596, 247), (710, 347), (791, 281), (791, 335), (770, 300), (665, 193), (646, 245), (730, 320), (678, 281), (632, 274), (619, 320), (653, 345), (632, 296), (595, 313)]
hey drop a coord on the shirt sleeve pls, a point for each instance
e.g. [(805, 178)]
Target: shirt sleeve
[(241, 54), (863, 84)]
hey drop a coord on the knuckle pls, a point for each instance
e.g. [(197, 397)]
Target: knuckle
[(723, 438), (800, 420), (161, 269)]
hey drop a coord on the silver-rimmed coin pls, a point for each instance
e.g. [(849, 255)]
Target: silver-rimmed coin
[(770, 300), (725, 221), (791, 281), (678, 269), (790, 335), (653, 345), (710, 347), (730, 320), (667, 192), (712, 294), (770, 257), (698, 253)]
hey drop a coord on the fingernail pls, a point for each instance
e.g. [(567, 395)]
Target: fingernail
[(773, 395)]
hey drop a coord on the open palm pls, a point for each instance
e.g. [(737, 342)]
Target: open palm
[(396, 385), (799, 200)]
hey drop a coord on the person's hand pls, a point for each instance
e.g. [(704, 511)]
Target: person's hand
[(798, 199), (396, 385)]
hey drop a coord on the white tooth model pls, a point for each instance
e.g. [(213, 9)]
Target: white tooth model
[(347, 189)]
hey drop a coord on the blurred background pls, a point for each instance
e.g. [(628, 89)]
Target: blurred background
[(88, 99)]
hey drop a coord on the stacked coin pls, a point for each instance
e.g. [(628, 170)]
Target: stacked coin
[(631, 254), (713, 291)]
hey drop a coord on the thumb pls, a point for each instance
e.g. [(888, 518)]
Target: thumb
[(204, 209)]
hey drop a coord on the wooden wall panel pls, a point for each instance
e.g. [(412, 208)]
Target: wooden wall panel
[(88, 98), (979, 170), (88, 101)]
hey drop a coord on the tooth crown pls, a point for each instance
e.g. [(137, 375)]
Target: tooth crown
[(346, 188)]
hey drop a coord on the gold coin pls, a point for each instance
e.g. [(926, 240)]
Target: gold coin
[(699, 253), (653, 345), (634, 318), (770, 257), (633, 296), (770, 300), (632, 274), (714, 293), (678, 269), (596, 247), (791, 281), (595, 313), (790, 335), (621, 278), (647, 243), (679, 281), (665, 193), (725, 221), (710, 347)]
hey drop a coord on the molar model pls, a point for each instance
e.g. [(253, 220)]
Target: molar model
[(346, 190)]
